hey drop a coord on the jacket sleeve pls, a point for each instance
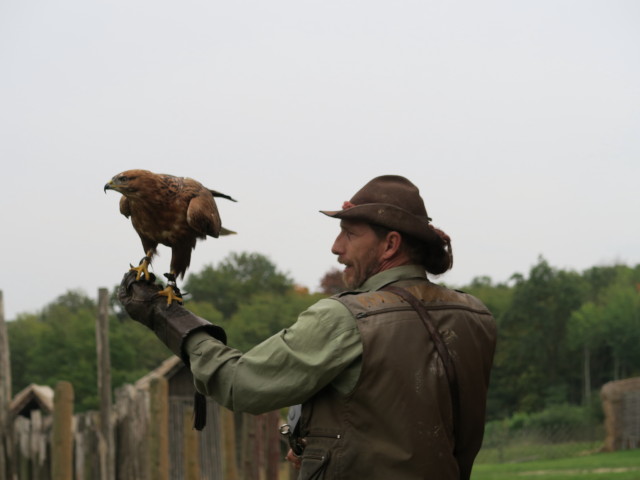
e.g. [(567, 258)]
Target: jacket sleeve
[(322, 347)]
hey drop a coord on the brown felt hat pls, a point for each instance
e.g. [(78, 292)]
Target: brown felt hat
[(390, 201)]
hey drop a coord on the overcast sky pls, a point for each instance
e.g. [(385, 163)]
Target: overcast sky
[(518, 120)]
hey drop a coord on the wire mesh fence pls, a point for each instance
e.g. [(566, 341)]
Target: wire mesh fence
[(503, 444)]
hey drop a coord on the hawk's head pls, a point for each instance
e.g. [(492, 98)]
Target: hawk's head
[(128, 182)]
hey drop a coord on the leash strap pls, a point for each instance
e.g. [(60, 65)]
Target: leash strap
[(441, 347)]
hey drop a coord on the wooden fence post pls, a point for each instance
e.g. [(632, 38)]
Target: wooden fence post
[(7, 467), (132, 410), (106, 450), (229, 459), (159, 428), (191, 448), (250, 458), (273, 445), (62, 440)]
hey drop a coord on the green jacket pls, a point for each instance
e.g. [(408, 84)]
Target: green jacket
[(322, 347), (321, 356), (397, 423)]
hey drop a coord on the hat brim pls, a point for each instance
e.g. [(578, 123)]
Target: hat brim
[(388, 216)]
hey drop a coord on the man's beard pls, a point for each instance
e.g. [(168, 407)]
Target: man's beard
[(353, 277)]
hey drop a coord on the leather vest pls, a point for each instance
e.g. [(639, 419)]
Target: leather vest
[(397, 423)]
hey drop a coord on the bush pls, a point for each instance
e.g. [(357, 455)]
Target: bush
[(560, 417), (556, 424), (558, 431)]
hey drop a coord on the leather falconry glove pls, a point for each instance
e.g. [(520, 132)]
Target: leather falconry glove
[(172, 324)]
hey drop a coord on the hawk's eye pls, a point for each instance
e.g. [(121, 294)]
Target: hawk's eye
[(123, 178)]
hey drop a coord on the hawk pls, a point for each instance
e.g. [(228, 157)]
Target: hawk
[(168, 210)]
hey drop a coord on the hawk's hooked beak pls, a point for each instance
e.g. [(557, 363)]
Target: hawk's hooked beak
[(119, 184), (111, 185)]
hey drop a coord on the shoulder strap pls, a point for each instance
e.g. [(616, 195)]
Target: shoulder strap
[(441, 348), (423, 313)]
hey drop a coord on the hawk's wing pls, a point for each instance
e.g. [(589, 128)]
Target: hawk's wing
[(221, 195), (202, 215)]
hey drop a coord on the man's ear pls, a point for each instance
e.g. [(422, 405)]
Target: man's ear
[(393, 241)]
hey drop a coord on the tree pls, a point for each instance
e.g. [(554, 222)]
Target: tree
[(561, 334), (66, 347), (59, 344), (621, 317), (332, 282), (235, 280), (264, 315), (605, 328), (586, 330), (533, 366), (497, 298), (600, 278)]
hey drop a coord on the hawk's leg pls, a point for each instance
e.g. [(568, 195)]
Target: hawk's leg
[(143, 267), (171, 291)]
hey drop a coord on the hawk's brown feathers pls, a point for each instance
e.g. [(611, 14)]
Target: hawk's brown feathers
[(168, 210)]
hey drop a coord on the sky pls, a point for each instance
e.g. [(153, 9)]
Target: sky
[(518, 121)]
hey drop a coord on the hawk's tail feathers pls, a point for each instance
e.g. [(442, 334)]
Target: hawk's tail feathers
[(226, 231)]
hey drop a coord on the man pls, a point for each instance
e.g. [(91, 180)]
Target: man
[(391, 387)]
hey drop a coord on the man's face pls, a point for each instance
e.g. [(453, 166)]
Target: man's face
[(359, 249)]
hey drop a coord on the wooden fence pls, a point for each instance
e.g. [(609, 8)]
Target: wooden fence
[(146, 434), (153, 440)]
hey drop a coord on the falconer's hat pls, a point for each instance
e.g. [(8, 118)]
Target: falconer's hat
[(390, 201)]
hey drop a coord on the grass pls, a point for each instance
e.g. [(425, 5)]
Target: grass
[(523, 451), (624, 465)]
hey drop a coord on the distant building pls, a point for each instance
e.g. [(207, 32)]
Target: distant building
[(33, 397)]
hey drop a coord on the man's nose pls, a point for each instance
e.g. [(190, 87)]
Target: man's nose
[(336, 248)]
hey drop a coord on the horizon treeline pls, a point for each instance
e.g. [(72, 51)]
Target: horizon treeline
[(561, 334)]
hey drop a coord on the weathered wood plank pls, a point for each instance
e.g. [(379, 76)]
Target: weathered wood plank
[(7, 469), (62, 441), (105, 433), (159, 429)]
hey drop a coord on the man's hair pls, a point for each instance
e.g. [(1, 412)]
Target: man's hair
[(435, 255)]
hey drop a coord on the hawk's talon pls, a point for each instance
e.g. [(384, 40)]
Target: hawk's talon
[(171, 291), (142, 268)]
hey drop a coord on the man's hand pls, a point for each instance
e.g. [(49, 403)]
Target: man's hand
[(139, 298), (294, 459)]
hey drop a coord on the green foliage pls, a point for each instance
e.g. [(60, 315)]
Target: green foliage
[(235, 280), (580, 462), (135, 351), (620, 314), (60, 344), (265, 315), (585, 326), (558, 431), (205, 310), (561, 335), (497, 298), (610, 323), (532, 364), (557, 416), (553, 326)]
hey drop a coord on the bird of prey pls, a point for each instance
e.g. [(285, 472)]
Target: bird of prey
[(168, 210)]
